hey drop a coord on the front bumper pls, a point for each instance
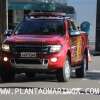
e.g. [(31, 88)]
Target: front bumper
[(42, 65), (45, 61)]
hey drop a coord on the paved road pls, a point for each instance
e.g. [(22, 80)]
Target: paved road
[(92, 80)]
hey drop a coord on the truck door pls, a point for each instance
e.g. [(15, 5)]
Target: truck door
[(76, 43)]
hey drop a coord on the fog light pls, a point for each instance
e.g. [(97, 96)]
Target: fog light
[(5, 59), (54, 59)]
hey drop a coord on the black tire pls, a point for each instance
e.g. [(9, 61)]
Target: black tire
[(81, 72), (7, 76), (87, 60), (63, 75)]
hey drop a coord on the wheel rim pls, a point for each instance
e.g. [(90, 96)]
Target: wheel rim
[(67, 70), (84, 66)]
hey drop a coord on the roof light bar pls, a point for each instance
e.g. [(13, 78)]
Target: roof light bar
[(36, 14)]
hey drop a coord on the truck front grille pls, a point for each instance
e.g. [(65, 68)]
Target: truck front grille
[(30, 48)]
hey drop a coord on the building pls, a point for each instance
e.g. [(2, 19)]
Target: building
[(2, 15)]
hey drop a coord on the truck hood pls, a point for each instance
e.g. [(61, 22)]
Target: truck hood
[(45, 39)]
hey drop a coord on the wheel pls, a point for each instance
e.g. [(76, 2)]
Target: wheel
[(81, 72), (63, 75), (30, 75), (7, 76)]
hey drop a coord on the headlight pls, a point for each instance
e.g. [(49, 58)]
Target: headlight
[(5, 47), (55, 48)]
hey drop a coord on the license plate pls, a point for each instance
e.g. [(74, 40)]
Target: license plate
[(28, 54)]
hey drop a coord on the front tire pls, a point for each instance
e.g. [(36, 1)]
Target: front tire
[(63, 75), (7, 76)]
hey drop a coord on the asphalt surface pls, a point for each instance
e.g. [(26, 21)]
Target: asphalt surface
[(91, 81)]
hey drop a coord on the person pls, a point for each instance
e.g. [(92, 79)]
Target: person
[(85, 26)]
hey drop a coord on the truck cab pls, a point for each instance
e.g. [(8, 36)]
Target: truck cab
[(45, 42)]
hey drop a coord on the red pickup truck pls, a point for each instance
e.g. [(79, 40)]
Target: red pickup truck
[(45, 42)]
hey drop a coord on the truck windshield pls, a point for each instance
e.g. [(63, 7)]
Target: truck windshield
[(41, 27)]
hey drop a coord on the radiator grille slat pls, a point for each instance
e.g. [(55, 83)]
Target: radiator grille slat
[(28, 48)]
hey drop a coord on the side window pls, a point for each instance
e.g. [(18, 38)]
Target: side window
[(73, 29), (72, 26)]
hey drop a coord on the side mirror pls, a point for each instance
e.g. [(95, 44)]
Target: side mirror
[(85, 26), (7, 33), (74, 33)]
